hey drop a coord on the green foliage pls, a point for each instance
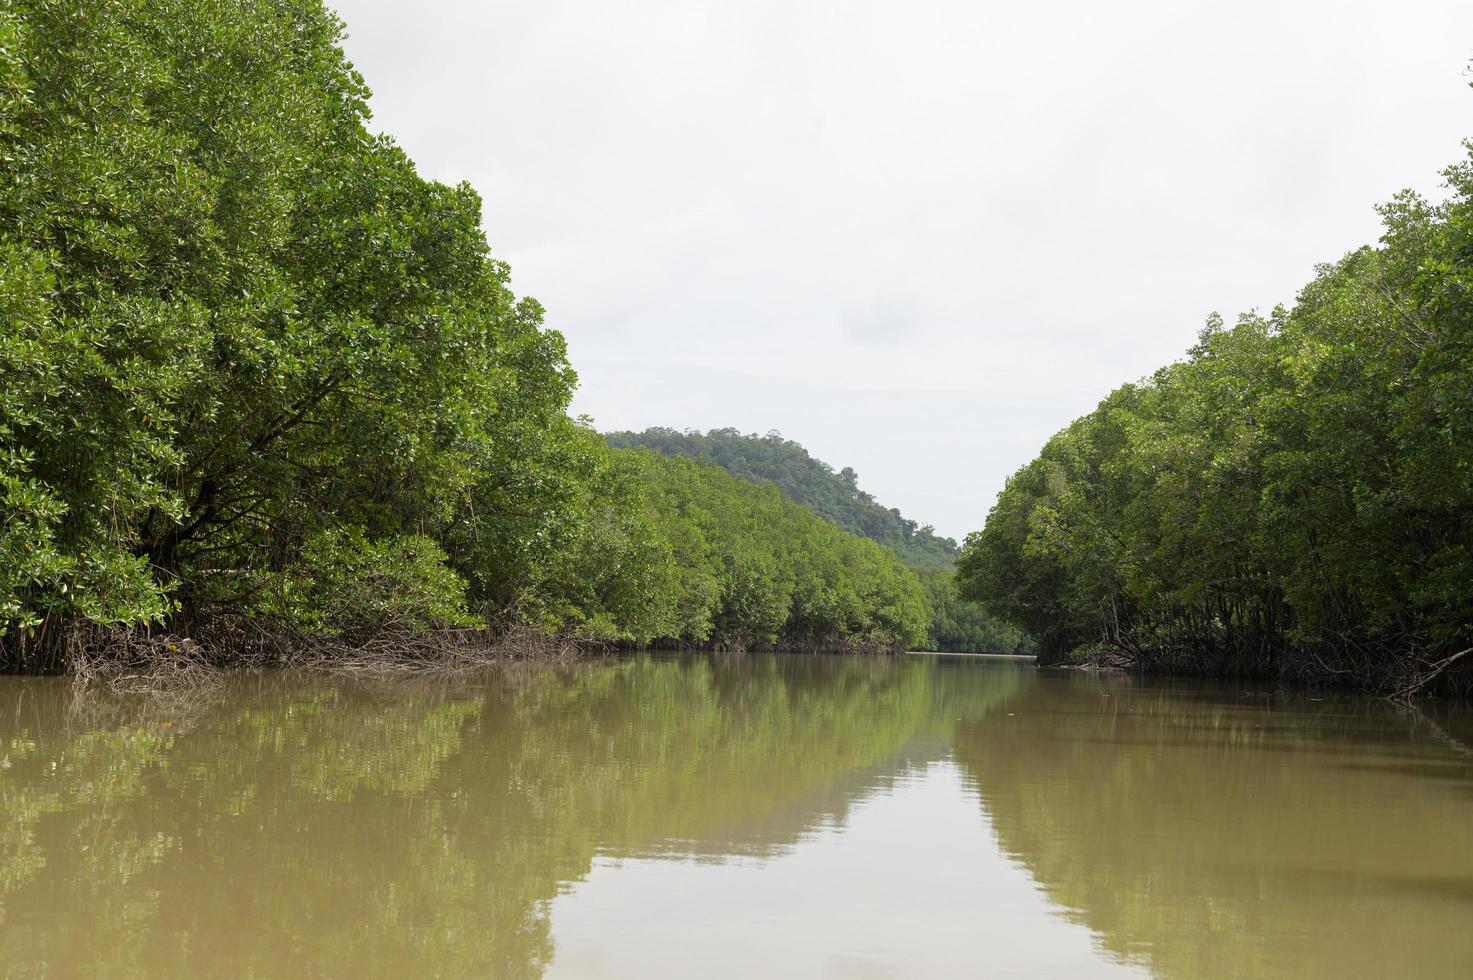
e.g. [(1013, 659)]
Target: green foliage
[(954, 624), (344, 583), (832, 495), (254, 364), (959, 625), (610, 574), (1294, 498), (756, 570), (238, 322)]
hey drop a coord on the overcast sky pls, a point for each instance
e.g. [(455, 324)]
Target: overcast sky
[(917, 236)]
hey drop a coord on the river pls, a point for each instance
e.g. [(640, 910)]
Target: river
[(733, 816)]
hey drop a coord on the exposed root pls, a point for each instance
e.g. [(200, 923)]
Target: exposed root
[(397, 652), (1428, 675), (132, 661), (124, 660)]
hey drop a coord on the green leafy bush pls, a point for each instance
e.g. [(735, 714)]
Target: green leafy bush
[(343, 584)]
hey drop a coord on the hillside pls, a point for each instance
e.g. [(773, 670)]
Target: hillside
[(834, 495), (955, 624)]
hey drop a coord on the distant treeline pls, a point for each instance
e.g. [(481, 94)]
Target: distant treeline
[(958, 625), (953, 624), (254, 368), (1295, 499), (833, 495), (751, 569)]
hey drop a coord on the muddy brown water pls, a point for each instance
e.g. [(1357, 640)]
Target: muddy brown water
[(733, 816)]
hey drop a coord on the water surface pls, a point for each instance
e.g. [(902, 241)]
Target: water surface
[(729, 815)]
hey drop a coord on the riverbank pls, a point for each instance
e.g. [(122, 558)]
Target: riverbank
[(140, 657), (1450, 676)]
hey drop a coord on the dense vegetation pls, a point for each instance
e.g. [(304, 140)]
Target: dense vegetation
[(678, 552), (954, 624), (958, 625), (254, 366), (811, 482), (754, 569), (1295, 499)]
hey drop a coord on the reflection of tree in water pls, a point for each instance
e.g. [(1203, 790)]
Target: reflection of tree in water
[(1206, 835), (314, 826)]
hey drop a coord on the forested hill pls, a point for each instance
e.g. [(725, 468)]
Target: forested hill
[(834, 495)]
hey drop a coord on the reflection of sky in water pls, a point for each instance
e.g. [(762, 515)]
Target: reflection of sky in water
[(910, 885)]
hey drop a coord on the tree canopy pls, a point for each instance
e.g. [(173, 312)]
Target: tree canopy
[(1295, 498), (255, 365), (954, 624), (832, 494)]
